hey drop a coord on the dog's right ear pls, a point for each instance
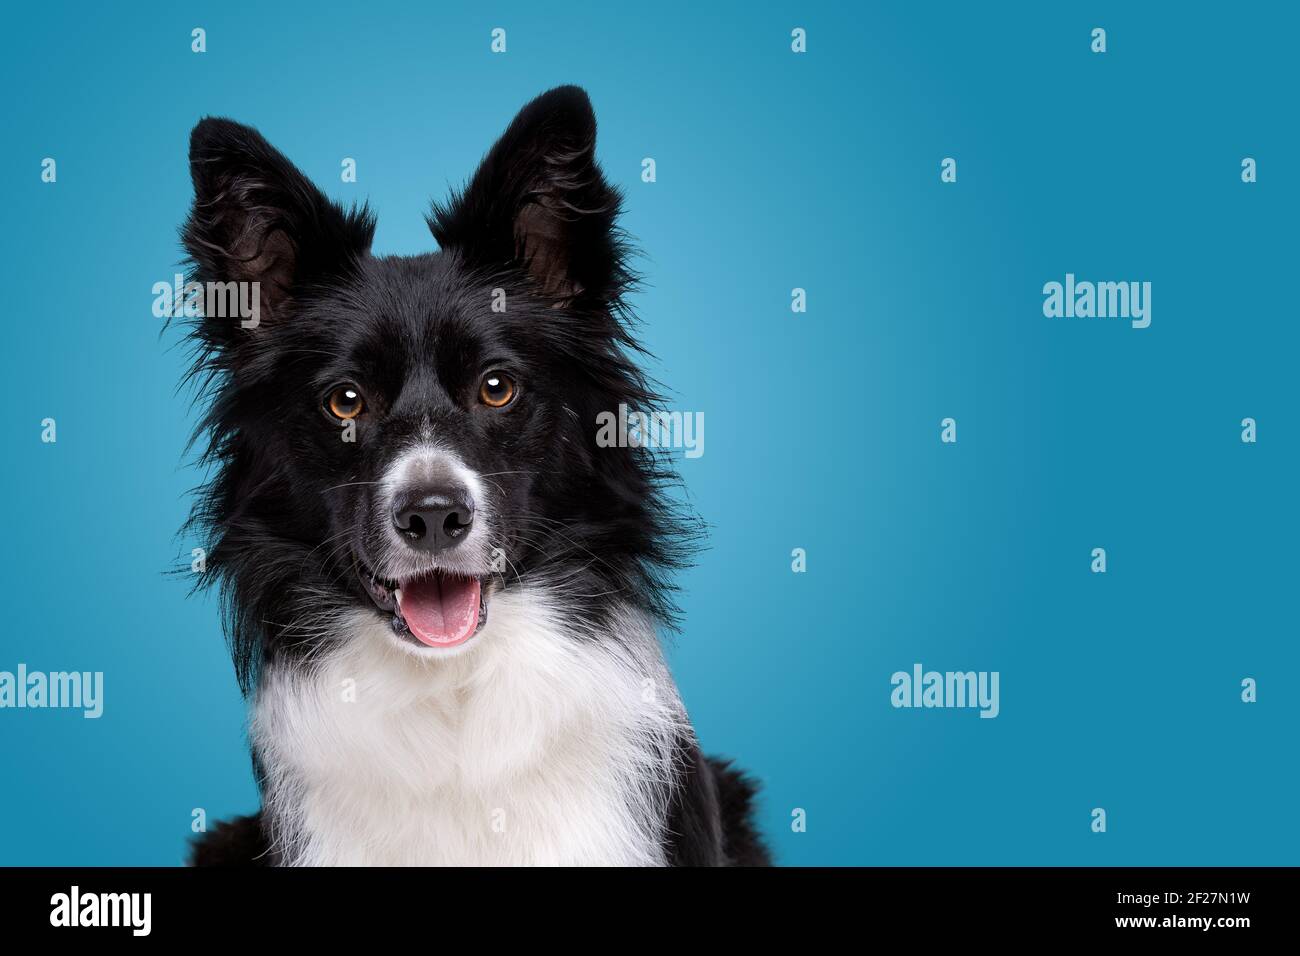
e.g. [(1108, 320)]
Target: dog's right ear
[(540, 202), (256, 218)]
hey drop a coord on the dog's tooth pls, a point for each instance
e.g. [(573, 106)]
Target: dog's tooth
[(397, 596)]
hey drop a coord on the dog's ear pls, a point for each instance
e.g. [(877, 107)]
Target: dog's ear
[(539, 202), (256, 218)]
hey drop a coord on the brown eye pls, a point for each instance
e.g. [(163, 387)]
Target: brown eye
[(497, 390), (345, 402)]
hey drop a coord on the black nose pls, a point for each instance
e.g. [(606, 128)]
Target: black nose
[(433, 519)]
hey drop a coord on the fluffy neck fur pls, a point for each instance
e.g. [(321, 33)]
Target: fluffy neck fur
[(536, 746)]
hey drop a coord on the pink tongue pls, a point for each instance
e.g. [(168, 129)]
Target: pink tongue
[(441, 610)]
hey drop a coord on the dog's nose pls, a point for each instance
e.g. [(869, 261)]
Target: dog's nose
[(433, 519)]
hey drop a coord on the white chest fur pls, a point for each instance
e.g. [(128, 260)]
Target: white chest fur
[(532, 746)]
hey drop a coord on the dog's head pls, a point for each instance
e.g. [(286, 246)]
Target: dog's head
[(412, 435)]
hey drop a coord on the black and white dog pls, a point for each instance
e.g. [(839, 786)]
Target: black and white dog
[(442, 596)]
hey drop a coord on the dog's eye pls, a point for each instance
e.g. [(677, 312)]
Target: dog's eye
[(497, 390), (345, 402)]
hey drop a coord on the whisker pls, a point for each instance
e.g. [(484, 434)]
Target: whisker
[(351, 484)]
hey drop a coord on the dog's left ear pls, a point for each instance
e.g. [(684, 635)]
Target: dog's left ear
[(540, 203), (257, 218)]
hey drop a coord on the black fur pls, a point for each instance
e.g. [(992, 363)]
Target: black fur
[(237, 842), (288, 511)]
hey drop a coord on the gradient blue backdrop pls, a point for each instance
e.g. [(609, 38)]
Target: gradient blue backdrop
[(774, 171)]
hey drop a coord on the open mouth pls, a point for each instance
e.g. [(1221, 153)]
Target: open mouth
[(438, 609)]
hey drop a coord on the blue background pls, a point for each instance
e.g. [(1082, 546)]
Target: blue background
[(775, 170)]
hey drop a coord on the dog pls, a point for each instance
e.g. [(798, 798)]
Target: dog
[(443, 597)]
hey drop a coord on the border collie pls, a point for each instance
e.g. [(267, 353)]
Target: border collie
[(442, 597)]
